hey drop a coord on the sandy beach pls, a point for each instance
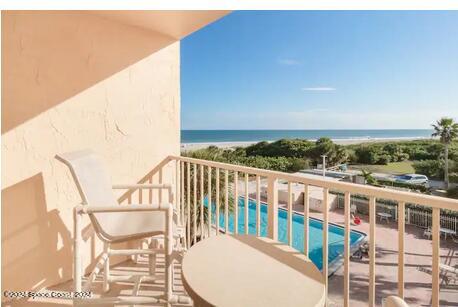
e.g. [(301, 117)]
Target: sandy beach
[(195, 146)]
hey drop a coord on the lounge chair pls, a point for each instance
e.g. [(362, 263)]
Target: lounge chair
[(455, 239), (450, 273), (428, 233), (114, 223)]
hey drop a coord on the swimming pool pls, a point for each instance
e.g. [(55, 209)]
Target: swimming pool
[(335, 237)]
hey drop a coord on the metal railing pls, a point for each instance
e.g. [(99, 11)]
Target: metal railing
[(191, 196)]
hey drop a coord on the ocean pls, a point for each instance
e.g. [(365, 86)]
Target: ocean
[(221, 136)]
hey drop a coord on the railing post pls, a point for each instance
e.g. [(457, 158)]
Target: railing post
[(258, 205), (177, 188), (209, 200), (202, 201), (347, 198), (401, 230), (290, 214), (194, 211), (372, 224), (182, 191), (77, 266), (325, 239), (272, 211), (226, 201), (236, 202), (246, 222), (188, 202), (217, 200), (160, 182), (436, 257), (306, 220)]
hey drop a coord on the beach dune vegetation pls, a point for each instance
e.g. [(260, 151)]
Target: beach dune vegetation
[(291, 155)]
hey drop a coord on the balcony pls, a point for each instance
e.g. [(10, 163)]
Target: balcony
[(400, 260), (105, 81)]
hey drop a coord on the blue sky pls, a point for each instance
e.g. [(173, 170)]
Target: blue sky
[(321, 70)]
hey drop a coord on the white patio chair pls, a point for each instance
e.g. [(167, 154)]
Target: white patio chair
[(115, 223), (428, 233), (353, 209)]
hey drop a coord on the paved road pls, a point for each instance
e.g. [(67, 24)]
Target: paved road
[(435, 184)]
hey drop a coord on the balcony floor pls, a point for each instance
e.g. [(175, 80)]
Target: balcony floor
[(418, 254), (417, 283), (118, 288)]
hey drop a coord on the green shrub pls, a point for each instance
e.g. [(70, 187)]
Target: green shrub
[(400, 156), (351, 156), (453, 177), (452, 192), (281, 164), (238, 156), (416, 150), (295, 148), (324, 146), (384, 159), (434, 169), (367, 154)]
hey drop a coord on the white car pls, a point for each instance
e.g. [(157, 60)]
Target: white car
[(413, 179)]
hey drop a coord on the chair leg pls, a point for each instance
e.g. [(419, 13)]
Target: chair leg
[(181, 241), (152, 257), (106, 268), (77, 267), (168, 244)]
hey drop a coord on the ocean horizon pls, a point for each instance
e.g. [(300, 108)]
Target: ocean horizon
[(224, 136)]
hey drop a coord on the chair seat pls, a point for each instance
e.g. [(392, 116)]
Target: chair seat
[(130, 225)]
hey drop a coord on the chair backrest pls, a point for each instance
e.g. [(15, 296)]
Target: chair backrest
[(93, 182), (91, 177)]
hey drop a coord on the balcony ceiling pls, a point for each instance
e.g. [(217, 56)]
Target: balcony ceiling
[(176, 24)]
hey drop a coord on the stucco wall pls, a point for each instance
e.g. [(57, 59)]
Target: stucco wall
[(73, 81)]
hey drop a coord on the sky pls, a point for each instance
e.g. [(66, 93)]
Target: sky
[(321, 70)]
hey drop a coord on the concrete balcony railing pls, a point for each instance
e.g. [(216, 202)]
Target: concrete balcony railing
[(202, 182)]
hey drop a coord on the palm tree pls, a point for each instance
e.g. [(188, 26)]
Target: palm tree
[(201, 229), (447, 131), (368, 177)]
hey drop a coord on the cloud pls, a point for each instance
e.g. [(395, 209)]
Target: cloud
[(289, 62), (319, 88)]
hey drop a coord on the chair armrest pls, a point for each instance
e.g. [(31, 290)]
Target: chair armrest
[(142, 186), (124, 208)]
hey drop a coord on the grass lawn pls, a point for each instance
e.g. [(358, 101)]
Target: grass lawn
[(404, 167)]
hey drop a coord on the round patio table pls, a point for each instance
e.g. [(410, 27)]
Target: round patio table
[(384, 216), (244, 270), (446, 231)]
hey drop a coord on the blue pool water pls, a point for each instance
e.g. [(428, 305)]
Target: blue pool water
[(335, 237)]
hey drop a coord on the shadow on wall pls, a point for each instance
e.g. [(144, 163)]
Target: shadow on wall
[(114, 73), (48, 57), (30, 234)]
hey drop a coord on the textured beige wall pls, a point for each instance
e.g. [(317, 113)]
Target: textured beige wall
[(72, 81)]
